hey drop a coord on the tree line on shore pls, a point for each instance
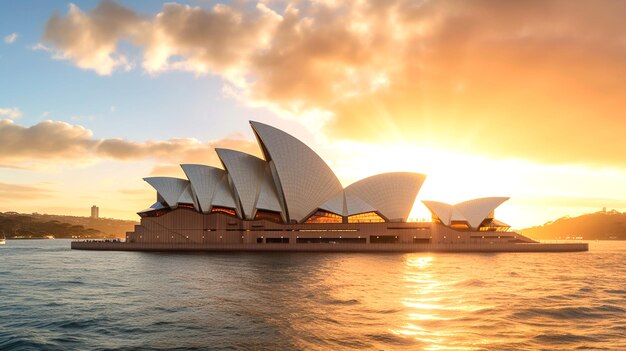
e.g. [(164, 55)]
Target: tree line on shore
[(34, 226)]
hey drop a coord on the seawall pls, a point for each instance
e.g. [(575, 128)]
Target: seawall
[(495, 247)]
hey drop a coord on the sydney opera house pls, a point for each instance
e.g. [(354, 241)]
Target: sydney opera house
[(290, 200)]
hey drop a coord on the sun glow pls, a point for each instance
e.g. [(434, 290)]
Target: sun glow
[(429, 301), (538, 192)]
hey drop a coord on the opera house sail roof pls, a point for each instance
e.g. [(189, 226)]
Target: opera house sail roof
[(292, 181), (290, 199), (471, 213)]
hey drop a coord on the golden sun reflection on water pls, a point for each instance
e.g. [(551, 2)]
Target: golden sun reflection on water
[(428, 302)]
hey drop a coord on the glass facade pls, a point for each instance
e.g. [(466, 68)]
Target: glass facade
[(268, 216), (493, 225), (324, 217), (459, 225), (367, 217), (224, 210)]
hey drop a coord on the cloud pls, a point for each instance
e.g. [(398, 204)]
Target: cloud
[(40, 47), (17, 192), (48, 141), (13, 113), (510, 79), (45, 140), (90, 40), (218, 40), (11, 38)]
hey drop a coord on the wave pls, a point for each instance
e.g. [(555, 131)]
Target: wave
[(391, 339), (62, 299), (21, 343), (343, 302), (617, 292), (563, 338), (470, 283), (567, 313)]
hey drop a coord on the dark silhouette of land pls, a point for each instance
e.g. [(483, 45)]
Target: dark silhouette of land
[(602, 225), (35, 226)]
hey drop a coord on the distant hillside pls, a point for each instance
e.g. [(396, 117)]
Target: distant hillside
[(19, 225), (600, 225)]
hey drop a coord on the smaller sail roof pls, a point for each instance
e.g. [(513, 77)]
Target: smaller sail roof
[(204, 180), (476, 210), (354, 205), (472, 211), (186, 197), (391, 194), (223, 196), (169, 188), (155, 206), (335, 204), (246, 172), (268, 198), (442, 210)]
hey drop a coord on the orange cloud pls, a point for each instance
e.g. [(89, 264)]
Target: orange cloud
[(17, 192), (540, 80), (22, 146)]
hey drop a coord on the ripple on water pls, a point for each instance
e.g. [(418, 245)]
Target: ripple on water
[(343, 302), (617, 292), (470, 283), (57, 299), (560, 338), (391, 339), (569, 313), (22, 343)]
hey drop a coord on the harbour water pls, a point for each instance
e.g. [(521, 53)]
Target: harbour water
[(53, 298)]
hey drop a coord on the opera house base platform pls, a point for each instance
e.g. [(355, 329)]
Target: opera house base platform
[(405, 248), (187, 230)]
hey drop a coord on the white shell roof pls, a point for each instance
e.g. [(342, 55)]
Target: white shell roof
[(440, 209), (391, 194), (186, 197), (354, 205), (293, 180), (268, 198), (345, 204), (223, 196), (306, 180), (335, 204), (476, 210), (204, 181), (473, 211), (155, 206), (169, 188), (247, 173)]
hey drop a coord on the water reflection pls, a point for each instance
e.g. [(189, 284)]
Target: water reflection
[(294, 301), (434, 308)]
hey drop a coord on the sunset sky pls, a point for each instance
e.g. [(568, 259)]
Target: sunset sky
[(487, 98)]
